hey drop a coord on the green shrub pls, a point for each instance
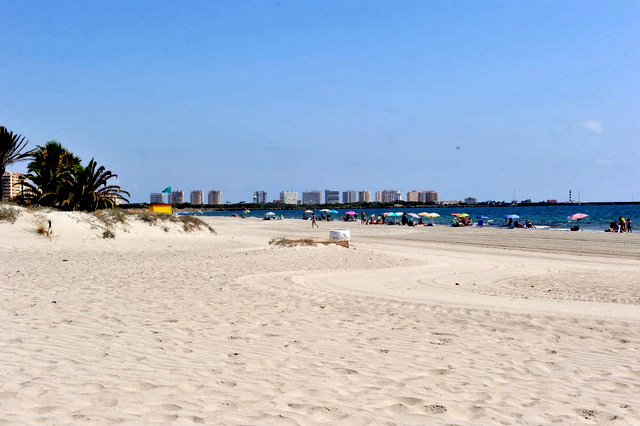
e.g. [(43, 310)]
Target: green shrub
[(9, 214)]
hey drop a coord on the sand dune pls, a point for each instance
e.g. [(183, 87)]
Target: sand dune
[(407, 326)]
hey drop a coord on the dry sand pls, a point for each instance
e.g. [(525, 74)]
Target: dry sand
[(431, 325)]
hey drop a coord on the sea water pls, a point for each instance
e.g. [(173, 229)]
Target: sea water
[(547, 216)]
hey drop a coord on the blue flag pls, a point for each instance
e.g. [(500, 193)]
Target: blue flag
[(167, 190)]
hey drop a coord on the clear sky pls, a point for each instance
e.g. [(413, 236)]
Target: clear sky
[(468, 98)]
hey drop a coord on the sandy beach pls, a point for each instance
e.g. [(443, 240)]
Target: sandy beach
[(429, 325)]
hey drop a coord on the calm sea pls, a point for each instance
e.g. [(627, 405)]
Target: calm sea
[(552, 217)]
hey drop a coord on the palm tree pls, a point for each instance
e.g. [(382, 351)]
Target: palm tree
[(90, 189), (50, 171), (11, 146)]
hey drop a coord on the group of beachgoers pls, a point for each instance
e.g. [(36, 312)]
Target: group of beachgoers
[(372, 219), (620, 225), (516, 224)]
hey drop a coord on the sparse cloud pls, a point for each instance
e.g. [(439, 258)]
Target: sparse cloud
[(592, 125)]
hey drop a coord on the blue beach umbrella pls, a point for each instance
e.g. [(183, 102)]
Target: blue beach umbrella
[(512, 216), (333, 211)]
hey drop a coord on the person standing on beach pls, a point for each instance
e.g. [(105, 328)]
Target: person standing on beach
[(313, 221), (629, 225), (623, 225)]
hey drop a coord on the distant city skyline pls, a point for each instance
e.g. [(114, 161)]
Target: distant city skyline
[(348, 196), (473, 99)]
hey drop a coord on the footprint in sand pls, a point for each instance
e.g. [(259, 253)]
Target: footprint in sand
[(435, 409), (438, 372), (591, 415)]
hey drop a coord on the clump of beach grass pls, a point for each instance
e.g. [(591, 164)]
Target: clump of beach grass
[(111, 217), (287, 242), (9, 213), (42, 225), (192, 223), (189, 223)]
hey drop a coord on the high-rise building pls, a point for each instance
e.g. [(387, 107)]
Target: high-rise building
[(349, 196), (331, 197), (259, 197), (364, 196), (156, 198), (470, 200), (214, 197), (413, 196), (428, 197), (197, 197), (177, 197), (10, 185), (288, 197), (388, 196), (312, 197)]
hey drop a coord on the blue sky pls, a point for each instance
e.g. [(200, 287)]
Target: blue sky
[(466, 98)]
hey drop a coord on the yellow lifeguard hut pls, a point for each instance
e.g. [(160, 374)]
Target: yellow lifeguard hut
[(160, 208)]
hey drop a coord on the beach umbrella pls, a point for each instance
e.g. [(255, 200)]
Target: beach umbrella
[(269, 214), (432, 215), (351, 213), (463, 215), (325, 210), (308, 211), (333, 211), (455, 214), (413, 215), (394, 215), (578, 216), (482, 217), (424, 214), (512, 216)]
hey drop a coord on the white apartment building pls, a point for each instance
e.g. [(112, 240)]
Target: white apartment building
[(177, 197), (156, 198), (349, 196), (289, 197), (312, 197), (214, 197), (388, 196), (331, 197), (197, 197), (364, 196), (10, 185)]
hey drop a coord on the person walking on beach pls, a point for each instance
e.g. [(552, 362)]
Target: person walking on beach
[(314, 224)]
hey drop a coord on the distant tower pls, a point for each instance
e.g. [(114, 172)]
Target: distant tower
[(569, 195)]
